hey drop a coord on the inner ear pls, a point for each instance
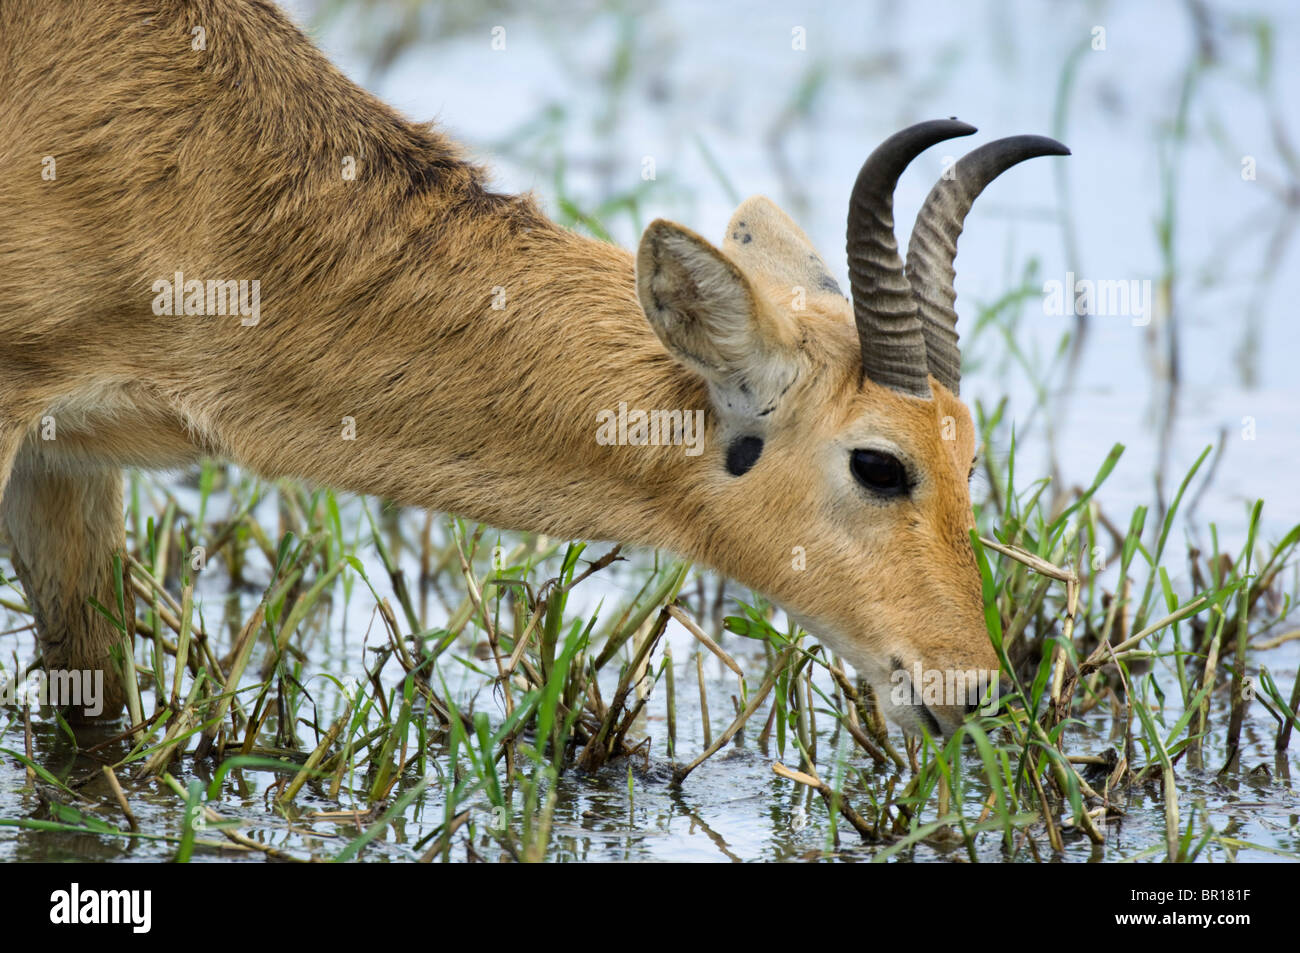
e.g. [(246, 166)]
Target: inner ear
[(698, 302), (712, 319), (743, 454)]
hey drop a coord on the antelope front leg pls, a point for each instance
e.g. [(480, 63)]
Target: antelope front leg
[(64, 523)]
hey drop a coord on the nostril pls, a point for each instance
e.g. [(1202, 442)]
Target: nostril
[(998, 697)]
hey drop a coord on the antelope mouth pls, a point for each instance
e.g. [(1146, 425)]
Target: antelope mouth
[(940, 700), (930, 721)]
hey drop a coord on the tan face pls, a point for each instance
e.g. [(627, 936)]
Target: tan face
[(905, 607), (855, 513)]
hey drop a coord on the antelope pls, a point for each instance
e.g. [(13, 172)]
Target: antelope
[(469, 344)]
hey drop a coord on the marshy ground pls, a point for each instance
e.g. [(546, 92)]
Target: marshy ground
[(570, 703)]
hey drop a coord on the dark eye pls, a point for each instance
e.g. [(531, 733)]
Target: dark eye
[(879, 472)]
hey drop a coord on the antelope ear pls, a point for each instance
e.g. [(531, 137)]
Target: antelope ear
[(709, 317), (763, 240)]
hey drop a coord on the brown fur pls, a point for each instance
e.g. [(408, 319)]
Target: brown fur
[(226, 163)]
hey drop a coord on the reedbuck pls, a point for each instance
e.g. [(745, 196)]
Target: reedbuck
[(165, 160)]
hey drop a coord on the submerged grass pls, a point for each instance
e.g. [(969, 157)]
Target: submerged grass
[(1130, 688)]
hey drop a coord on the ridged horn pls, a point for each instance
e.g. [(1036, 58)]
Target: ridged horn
[(933, 245), (889, 330)]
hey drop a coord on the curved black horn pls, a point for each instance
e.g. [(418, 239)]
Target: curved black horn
[(933, 245), (889, 331)]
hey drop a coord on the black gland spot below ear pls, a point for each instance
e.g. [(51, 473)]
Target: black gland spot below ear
[(743, 454)]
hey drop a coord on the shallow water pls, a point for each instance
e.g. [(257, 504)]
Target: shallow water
[(732, 808)]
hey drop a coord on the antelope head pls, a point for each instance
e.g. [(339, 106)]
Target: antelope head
[(840, 484)]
